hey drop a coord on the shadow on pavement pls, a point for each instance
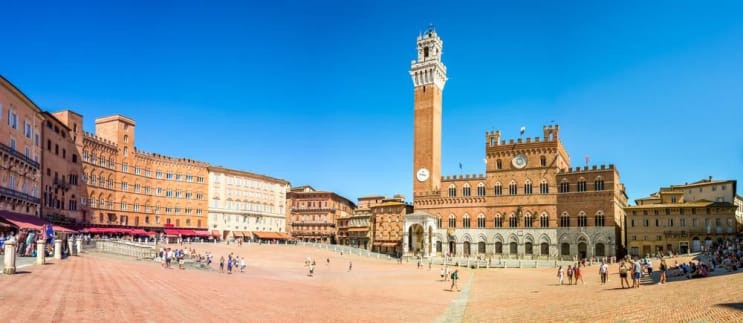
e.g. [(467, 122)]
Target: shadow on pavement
[(737, 306)]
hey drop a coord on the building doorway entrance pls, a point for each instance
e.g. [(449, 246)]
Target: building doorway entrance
[(415, 239)]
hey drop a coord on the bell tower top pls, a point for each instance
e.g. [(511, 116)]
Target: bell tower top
[(429, 69)]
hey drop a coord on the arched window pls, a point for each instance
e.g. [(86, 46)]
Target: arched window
[(544, 188), (481, 220), (598, 184), (452, 221), (498, 221), (564, 220), (466, 189), (582, 221), (512, 188), (438, 221), (499, 164), (544, 220), (126, 138), (564, 186), (527, 220), (466, 221), (527, 187), (582, 185), (498, 189), (125, 151), (543, 161), (481, 189), (513, 221), (452, 190), (600, 219)]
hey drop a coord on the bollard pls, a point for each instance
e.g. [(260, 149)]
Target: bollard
[(79, 243), (9, 267), (57, 249), (71, 246), (40, 252)]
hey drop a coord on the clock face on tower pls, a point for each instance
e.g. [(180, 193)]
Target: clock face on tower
[(422, 174), (519, 161)]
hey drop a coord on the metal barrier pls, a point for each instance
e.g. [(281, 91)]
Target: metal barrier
[(347, 250), (122, 248)]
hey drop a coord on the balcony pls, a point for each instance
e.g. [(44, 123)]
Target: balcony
[(61, 184), (302, 223), (13, 194), (8, 150)]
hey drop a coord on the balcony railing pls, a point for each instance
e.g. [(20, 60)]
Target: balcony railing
[(19, 195), (18, 155), (313, 223), (61, 183), (313, 209)]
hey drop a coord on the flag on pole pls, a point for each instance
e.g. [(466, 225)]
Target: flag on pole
[(460, 165), (523, 129)]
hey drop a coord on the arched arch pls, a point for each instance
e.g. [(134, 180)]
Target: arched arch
[(481, 189), (467, 237), (498, 238), (452, 190), (466, 190), (483, 237), (544, 238)]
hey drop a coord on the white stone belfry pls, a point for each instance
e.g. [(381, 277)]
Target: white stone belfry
[(429, 69)]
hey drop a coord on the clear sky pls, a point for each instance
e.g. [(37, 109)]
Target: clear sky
[(318, 93)]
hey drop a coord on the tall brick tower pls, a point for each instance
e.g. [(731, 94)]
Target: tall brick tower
[(429, 77)]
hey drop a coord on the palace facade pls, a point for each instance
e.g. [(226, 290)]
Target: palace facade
[(529, 202), (683, 218), (244, 204), (129, 187), (312, 214), (20, 147), (63, 191)]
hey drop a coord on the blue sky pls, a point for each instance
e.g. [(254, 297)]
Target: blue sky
[(319, 93)]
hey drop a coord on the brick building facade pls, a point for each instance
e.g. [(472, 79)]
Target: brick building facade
[(529, 202), (63, 191), (129, 187), (312, 214)]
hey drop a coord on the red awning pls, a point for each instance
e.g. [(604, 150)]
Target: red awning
[(216, 234), (187, 232), (23, 221), (172, 232), (201, 233), (59, 228), (271, 235)]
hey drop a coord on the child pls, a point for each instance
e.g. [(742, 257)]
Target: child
[(560, 274)]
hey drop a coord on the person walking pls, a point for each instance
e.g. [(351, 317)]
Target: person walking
[(571, 272), (603, 272), (443, 274), (559, 274), (636, 272), (221, 264), (578, 274), (350, 265), (454, 278), (663, 268)]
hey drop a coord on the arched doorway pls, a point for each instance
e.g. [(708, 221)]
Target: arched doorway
[(415, 239), (452, 248), (466, 248), (544, 249), (565, 249), (499, 247), (481, 247), (582, 247), (438, 247), (600, 250), (529, 249), (513, 248)]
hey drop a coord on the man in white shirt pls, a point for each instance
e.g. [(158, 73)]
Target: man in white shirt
[(603, 272)]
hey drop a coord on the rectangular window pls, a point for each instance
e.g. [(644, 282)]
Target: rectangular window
[(169, 176), (12, 119), (682, 222), (159, 174), (125, 167), (27, 129), (124, 186)]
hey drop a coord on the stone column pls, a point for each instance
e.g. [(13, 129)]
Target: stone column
[(71, 246), (57, 249), (9, 257), (79, 243), (40, 252)]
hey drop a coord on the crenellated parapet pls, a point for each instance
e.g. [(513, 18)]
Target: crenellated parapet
[(586, 169), (463, 177)]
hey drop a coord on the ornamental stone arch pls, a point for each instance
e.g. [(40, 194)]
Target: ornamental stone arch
[(498, 238), (483, 237), (544, 238), (582, 237), (467, 237), (513, 238), (528, 238)]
